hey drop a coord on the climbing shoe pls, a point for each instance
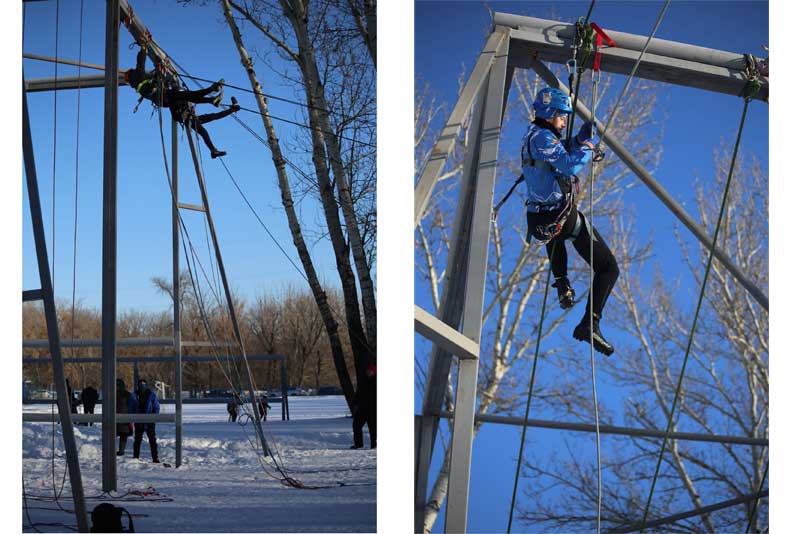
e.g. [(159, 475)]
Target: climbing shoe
[(235, 104), (217, 99), (566, 295), (581, 333), (218, 86), (217, 153)]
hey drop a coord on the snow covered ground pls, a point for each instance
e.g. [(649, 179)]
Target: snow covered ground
[(220, 487)]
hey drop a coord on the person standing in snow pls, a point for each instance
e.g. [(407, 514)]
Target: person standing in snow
[(145, 401), (89, 398), (123, 406), (365, 410)]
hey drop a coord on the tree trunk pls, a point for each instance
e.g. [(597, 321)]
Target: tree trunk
[(365, 17), (320, 297), (324, 139)]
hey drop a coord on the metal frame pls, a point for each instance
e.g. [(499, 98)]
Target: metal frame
[(48, 300), (524, 42)]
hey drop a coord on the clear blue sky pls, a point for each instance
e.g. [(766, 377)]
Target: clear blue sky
[(448, 37), (198, 39)]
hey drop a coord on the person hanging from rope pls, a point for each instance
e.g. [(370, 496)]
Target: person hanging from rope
[(548, 166), (150, 85)]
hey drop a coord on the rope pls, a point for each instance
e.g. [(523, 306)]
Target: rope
[(697, 308), (595, 81), (633, 72), (752, 513), (530, 394)]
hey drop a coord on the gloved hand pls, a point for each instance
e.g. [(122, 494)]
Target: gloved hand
[(585, 133)]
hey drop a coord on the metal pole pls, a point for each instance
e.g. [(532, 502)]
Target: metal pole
[(447, 139), (176, 302), (662, 194), (691, 513), (228, 297), (464, 417), (135, 373), (109, 311), (121, 342), (85, 81), (617, 430), (451, 308), (67, 430), (63, 61)]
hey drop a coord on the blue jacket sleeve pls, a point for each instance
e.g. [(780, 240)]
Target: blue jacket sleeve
[(550, 149), (156, 405), (133, 404)]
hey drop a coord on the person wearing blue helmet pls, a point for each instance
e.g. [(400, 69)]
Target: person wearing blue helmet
[(549, 165)]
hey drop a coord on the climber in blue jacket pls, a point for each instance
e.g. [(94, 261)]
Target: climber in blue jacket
[(549, 165)]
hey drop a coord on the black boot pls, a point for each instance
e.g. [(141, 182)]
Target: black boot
[(217, 153), (581, 333), (235, 104), (566, 295)]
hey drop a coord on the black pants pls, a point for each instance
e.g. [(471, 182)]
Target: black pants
[(88, 407), (606, 270), (359, 418), (177, 96), (183, 116), (140, 430)]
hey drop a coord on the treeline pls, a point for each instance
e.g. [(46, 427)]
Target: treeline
[(287, 323)]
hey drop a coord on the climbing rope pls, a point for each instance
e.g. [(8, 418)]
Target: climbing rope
[(595, 82), (530, 395), (750, 90), (633, 72)]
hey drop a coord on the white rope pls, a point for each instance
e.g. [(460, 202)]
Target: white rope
[(595, 80)]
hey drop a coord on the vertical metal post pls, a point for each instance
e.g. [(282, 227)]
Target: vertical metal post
[(284, 393), (176, 302), (234, 321), (67, 430), (109, 310), (466, 393), (135, 374), (452, 305)]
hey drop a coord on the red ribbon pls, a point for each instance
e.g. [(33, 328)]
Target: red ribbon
[(600, 38)]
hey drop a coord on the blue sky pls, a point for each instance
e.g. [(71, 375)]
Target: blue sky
[(448, 37), (198, 39)]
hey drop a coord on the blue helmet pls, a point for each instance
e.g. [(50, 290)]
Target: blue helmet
[(549, 101)]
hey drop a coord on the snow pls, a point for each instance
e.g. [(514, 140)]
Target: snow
[(220, 487)]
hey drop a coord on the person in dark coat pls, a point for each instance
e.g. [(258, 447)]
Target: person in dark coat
[(89, 398), (123, 406), (263, 408), (233, 411), (145, 401), (73, 402), (366, 410)]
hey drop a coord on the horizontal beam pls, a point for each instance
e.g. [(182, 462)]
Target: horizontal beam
[(155, 359), (98, 418), (167, 400), (692, 513), (444, 336), (123, 342), (192, 207), (63, 61), (665, 61), (616, 430), (31, 295), (68, 82)]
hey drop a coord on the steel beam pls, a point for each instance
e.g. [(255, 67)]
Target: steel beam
[(156, 359), (176, 300), (665, 61), (551, 79), (477, 262), (617, 430), (444, 336), (32, 295), (84, 81), (229, 299), (636, 527), (48, 300), (109, 298), (451, 307), (447, 138), (140, 32), (63, 61), (122, 342), (98, 418)]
